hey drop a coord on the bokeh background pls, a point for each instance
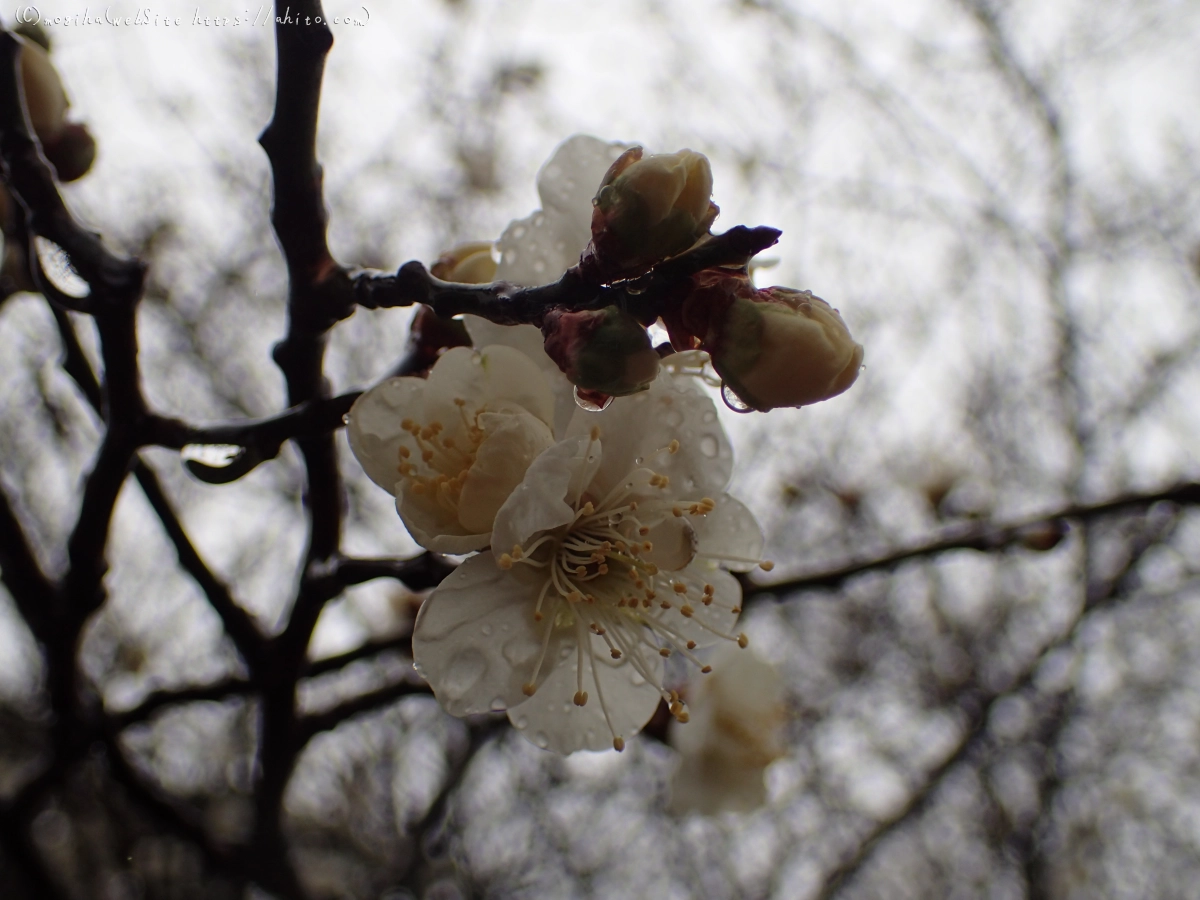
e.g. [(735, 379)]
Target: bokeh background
[(1002, 200)]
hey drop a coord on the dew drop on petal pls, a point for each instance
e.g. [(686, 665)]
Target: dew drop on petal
[(637, 680), (346, 419), (590, 735), (591, 401), (709, 417), (521, 723), (567, 707), (486, 630), (462, 674), (709, 446), (674, 418), (541, 740), (499, 705), (637, 460)]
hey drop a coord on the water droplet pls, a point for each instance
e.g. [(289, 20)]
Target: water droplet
[(591, 401), (709, 417), (541, 740), (674, 418), (590, 735), (539, 266), (346, 419), (58, 268), (217, 456), (733, 401), (521, 723), (486, 630), (709, 446), (637, 680), (519, 232), (463, 673), (567, 707), (637, 460), (538, 220), (498, 705), (565, 652)]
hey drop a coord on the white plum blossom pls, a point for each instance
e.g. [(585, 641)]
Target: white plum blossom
[(609, 557), (451, 447), (539, 248), (735, 732)]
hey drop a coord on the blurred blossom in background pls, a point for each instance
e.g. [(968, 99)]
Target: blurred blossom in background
[(1001, 199)]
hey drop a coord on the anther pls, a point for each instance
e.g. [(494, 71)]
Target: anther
[(644, 530), (673, 447), (405, 453), (676, 511), (517, 552), (664, 652), (743, 641), (505, 561), (691, 645), (616, 654), (528, 689), (581, 698), (766, 565), (580, 571), (680, 587), (618, 744), (574, 597), (595, 432), (686, 611), (704, 670)]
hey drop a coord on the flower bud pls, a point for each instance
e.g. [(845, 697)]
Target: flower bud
[(604, 350), (44, 95), (72, 152), (466, 264), (774, 347), (651, 207)]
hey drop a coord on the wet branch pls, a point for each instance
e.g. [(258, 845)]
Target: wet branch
[(985, 538)]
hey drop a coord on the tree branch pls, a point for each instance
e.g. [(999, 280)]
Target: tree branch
[(979, 537)]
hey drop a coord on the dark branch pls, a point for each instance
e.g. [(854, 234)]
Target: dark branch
[(577, 289), (156, 700), (980, 537), (418, 574), (310, 725)]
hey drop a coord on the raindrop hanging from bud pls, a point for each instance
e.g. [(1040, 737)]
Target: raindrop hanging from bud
[(592, 401), (733, 401)]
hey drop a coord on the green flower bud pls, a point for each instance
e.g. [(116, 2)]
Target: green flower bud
[(651, 207), (604, 350)]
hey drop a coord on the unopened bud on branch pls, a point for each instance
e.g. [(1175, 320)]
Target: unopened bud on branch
[(467, 264), (649, 208), (604, 350), (774, 347)]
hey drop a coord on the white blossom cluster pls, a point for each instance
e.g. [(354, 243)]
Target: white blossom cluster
[(603, 540)]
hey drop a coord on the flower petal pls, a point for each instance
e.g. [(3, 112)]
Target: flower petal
[(544, 500), (493, 378), (433, 527), (552, 721), (707, 623), (513, 442), (475, 640), (539, 248), (528, 339), (374, 431), (637, 430), (730, 534)]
